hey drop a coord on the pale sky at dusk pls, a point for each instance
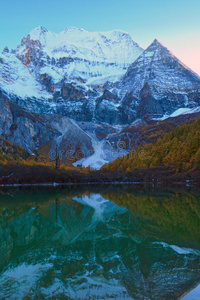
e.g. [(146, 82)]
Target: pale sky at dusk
[(175, 23)]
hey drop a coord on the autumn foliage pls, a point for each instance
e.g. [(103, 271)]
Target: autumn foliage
[(179, 150)]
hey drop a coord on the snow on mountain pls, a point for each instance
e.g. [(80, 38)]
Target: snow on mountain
[(158, 66), (103, 154), (96, 77), (75, 53), (180, 111), (112, 46), (75, 72), (16, 79), (157, 84)]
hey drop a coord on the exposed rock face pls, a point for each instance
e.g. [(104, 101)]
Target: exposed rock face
[(157, 102), (70, 92), (146, 130), (31, 131), (5, 50), (46, 80), (21, 127), (129, 106), (72, 142), (159, 83), (159, 67)]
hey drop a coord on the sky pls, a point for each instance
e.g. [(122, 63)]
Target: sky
[(175, 23)]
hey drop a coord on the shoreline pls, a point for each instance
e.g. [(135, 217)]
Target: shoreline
[(152, 183)]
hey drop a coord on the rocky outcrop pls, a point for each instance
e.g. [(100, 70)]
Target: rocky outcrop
[(71, 92), (31, 131), (47, 81), (22, 127), (157, 102), (73, 143)]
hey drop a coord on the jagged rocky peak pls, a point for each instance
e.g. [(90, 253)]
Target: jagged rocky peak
[(160, 67), (5, 50), (157, 52), (155, 43)]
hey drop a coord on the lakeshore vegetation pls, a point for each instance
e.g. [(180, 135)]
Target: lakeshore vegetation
[(174, 155)]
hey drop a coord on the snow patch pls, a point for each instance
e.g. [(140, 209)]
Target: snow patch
[(103, 154), (179, 250), (95, 201), (19, 280), (178, 112), (16, 79)]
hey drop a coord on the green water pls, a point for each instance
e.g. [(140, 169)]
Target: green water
[(98, 242)]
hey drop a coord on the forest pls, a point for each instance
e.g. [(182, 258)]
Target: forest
[(178, 150)]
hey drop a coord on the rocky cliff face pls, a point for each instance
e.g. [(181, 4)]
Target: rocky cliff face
[(31, 131), (22, 127)]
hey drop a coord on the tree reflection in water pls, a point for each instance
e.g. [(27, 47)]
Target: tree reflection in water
[(98, 243)]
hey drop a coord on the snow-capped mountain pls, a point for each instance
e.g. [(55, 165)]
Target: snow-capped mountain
[(65, 73), (158, 66), (158, 83), (16, 79), (75, 53), (102, 79), (101, 76)]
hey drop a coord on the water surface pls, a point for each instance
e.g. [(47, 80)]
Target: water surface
[(107, 242)]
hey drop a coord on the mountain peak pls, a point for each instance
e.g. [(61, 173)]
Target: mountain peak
[(157, 49), (156, 41), (161, 68), (39, 29), (37, 32), (155, 44)]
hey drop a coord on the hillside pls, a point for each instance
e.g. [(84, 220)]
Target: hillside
[(178, 150), (11, 153)]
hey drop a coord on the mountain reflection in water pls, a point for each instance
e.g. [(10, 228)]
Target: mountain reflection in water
[(98, 243)]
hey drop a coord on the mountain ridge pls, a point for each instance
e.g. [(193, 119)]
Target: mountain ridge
[(104, 79)]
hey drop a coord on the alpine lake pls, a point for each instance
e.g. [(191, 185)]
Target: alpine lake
[(99, 242)]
